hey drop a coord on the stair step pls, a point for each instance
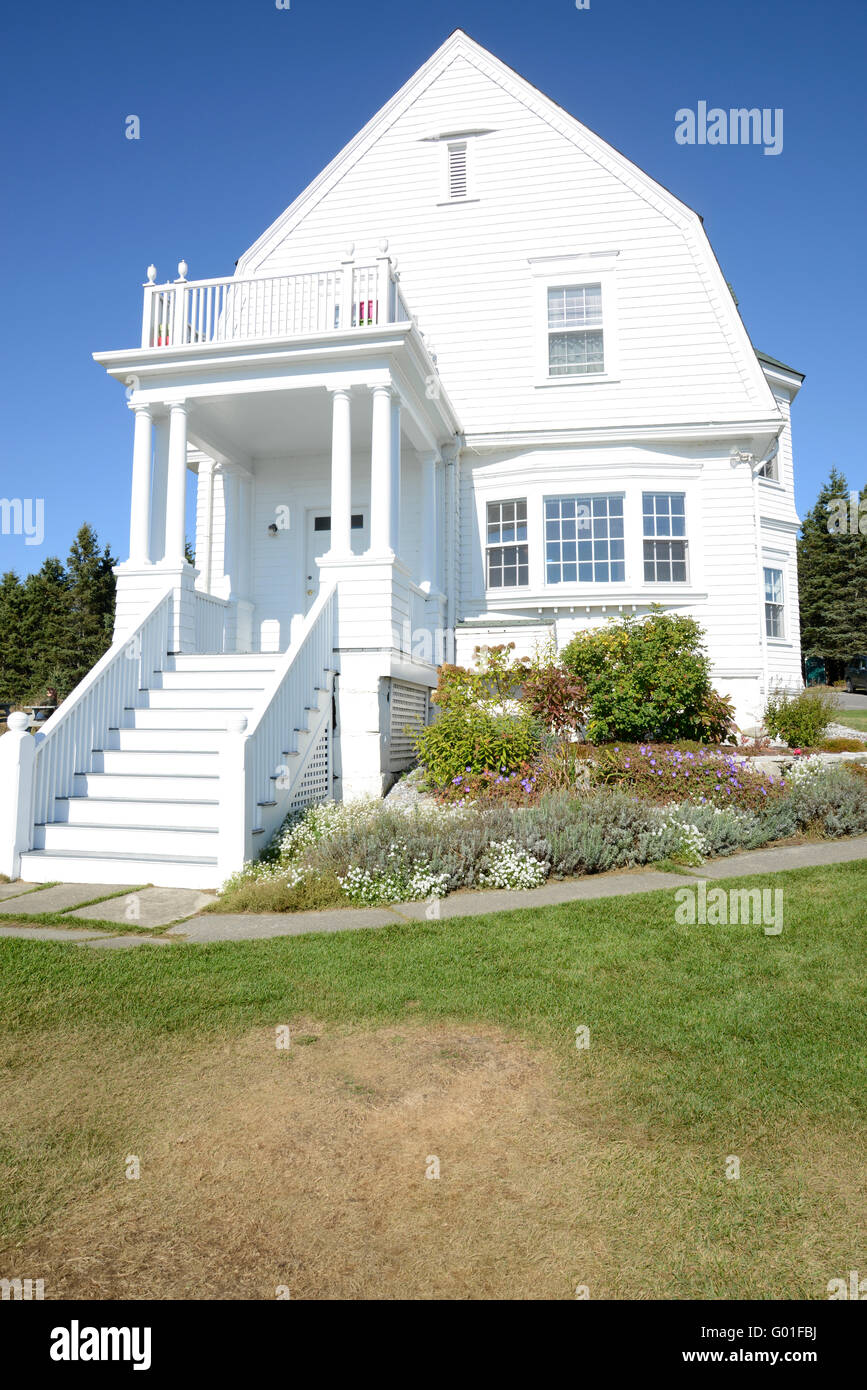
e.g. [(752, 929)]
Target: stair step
[(229, 697), (167, 762), (163, 740), (147, 786), (120, 812), (182, 840), (81, 866), (248, 678), (182, 720), (225, 661)]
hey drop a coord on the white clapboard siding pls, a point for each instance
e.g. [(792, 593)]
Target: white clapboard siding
[(465, 271)]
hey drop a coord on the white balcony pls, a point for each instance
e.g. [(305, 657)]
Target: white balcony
[(186, 313)]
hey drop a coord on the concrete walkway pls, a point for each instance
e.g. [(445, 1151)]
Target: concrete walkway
[(159, 906)]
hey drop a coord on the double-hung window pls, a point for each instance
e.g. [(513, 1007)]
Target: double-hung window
[(575, 336), (584, 540), (664, 515), (774, 626), (506, 555)]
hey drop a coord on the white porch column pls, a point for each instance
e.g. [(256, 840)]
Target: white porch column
[(384, 464), (430, 527), (231, 504), (341, 475), (176, 498), (140, 511), (395, 473), (205, 524)]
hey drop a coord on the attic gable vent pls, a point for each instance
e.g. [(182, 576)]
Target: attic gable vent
[(457, 172)]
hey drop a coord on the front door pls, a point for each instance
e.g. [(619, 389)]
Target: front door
[(319, 540)]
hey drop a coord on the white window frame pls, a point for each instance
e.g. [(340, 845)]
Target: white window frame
[(575, 272), (773, 476), (506, 545), (652, 540), (774, 568), (580, 498)]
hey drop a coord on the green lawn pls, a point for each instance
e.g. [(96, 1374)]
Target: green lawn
[(853, 719), (706, 1042)]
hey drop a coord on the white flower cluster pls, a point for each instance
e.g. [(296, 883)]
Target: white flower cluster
[(507, 866), (805, 769), (323, 820), (403, 881), (687, 843)]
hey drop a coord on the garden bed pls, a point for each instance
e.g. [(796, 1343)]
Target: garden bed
[(681, 809)]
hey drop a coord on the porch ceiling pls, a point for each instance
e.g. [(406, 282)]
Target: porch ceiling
[(273, 423)]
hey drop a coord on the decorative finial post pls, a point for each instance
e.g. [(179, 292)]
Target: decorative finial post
[(152, 274), (182, 270)]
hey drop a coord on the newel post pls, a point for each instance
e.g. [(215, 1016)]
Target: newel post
[(232, 812), (17, 764), (179, 324), (148, 335)]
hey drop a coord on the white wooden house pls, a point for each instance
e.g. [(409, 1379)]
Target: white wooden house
[(483, 381)]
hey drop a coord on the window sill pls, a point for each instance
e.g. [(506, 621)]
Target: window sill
[(457, 202), (594, 378)]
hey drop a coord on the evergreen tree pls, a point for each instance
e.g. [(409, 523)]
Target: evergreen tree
[(91, 595), (832, 577), (15, 669), (56, 624)]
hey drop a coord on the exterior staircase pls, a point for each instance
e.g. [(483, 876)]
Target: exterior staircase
[(146, 809), (172, 769)]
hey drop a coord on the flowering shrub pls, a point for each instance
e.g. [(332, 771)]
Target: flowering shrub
[(406, 878), (506, 865), (669, 774)]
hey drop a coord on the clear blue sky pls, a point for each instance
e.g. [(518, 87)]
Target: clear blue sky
[(242, 104)]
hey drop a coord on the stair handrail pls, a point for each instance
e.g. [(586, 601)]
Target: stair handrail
[(81, 722), (252, 764)]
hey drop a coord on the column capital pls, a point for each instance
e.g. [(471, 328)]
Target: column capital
[(339, 390), (143, 407), (449, 452), (385, 388)]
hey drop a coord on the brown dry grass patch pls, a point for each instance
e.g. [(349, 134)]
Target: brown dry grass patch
[(306, 1168)]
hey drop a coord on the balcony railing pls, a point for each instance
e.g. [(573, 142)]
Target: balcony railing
[(182, 313)]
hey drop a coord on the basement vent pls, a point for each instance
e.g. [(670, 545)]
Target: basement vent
[(409, 708), (458, 169)]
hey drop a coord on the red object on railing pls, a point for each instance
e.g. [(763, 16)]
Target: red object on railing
[(361, 315)]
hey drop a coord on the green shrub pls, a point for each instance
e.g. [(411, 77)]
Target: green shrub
[(465, 739), (648, 680), (800, 720)]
